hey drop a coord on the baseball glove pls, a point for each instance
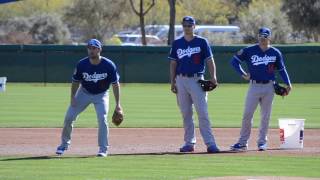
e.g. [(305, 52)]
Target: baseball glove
[(117, 118), (279, 90), (207, 85)]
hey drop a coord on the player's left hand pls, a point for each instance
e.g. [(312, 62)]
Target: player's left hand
[(118, 108), (288, 90), (117, 116), (214, 81), (207, 85)]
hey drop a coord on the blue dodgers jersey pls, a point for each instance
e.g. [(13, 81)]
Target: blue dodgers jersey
[(261, 64), (95, 78), (190, 55)]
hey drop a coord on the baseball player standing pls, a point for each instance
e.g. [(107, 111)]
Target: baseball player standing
[(188, 56), (262, 61), (90, 83)]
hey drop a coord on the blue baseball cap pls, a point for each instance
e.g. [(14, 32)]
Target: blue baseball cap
[(264, 31), (94, 42), (189, 20)]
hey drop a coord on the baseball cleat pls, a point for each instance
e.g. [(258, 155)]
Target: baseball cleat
[(239, 147), (60, 150), (262, 147), (187, 148), (213, 149), (102, 153)]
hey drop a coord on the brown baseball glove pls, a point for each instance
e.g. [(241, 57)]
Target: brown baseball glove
[(207, 85), (117, 118)]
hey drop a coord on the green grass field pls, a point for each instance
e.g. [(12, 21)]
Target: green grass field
[(152, 105), (172, 167), (149, 105)]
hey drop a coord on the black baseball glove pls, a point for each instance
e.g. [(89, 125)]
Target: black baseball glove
[(279, 90), (207, 85)]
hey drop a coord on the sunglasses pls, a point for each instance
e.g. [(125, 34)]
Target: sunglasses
[(187, 25)]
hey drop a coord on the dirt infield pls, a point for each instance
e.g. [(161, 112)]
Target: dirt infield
[(43, 141)]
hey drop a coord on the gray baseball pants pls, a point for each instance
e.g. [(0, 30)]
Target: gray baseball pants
[(189, 94), (261, 94), (101, 105)]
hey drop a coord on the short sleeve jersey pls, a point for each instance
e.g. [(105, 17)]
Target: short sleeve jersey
[(96, 78), (261, 64), (190, 55)]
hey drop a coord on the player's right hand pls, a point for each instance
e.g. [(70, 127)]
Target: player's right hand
[(246, 76), (174, 88), (73, 102)]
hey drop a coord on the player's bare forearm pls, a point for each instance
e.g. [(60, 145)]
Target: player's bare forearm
[(173, 66), (74, 88), (212, 70), (116, 93)]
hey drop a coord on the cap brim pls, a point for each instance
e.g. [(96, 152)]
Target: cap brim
[(188, 22), (264, 34), (93, 45)]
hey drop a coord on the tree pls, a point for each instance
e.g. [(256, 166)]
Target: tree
[(16, 31), (38, 29), (236, 6), (259, 14), (304, 16), (205, 11), (141, 13), (95, 18), (172, 4), (49, 29), (30, 7)]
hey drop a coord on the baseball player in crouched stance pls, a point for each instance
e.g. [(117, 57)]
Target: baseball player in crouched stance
[(262, 61), (188, 56), (90, 83)]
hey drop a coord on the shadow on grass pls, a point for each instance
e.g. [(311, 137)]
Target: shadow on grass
[(123, 154), (43, 158), (172, 153)]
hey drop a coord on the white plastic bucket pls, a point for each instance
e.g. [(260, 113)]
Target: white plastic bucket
[(291, 133), (3, 81)]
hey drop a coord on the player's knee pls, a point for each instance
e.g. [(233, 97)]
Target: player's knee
[(69, 118)]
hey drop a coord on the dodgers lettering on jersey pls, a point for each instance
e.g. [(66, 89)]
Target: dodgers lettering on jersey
[(190, 55), (256, 60), (96, 78), (187, 52), (261, 64)]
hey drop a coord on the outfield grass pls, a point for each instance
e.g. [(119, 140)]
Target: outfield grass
[(149, 105), (180, 167)]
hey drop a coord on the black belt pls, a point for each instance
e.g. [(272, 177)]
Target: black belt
[(190, 75), (260, 81)]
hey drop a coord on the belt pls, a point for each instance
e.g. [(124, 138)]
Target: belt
[(260, 81), (190, 75)]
